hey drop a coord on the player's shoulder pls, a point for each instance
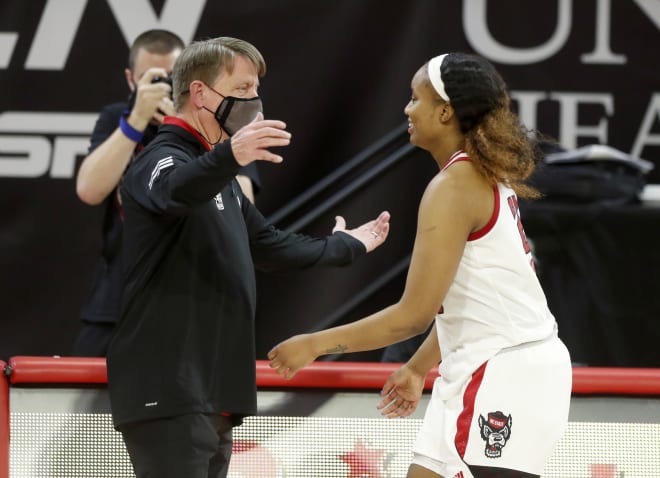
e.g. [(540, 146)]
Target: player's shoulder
[(460, 194), (456, 182)]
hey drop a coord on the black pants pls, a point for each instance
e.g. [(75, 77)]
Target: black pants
[(187, 446), (489, 472)]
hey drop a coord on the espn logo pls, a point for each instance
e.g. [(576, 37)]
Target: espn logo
[(35, 144)]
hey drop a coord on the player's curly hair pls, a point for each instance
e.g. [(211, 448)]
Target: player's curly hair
[(501, 148)]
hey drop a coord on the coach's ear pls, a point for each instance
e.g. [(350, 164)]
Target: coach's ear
[(197, 91)]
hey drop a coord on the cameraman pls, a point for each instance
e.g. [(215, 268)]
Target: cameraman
[(122, 130)]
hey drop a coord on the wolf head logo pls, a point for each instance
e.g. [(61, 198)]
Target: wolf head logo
[(496, 431)]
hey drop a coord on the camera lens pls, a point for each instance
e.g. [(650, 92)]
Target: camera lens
[(162, 79)]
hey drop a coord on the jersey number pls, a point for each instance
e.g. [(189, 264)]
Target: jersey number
[(513, 205)]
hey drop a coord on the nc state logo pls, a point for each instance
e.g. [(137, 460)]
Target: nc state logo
[(496, 432)]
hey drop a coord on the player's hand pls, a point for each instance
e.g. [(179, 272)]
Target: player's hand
[(401, 393), (252, 141), (291, 355), (372, 234)]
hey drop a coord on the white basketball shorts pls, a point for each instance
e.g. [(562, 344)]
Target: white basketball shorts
[(509, 414)]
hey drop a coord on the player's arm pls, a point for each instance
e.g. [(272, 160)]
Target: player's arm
[(403, 389), (442, 229), (446, 218), (427, 356)]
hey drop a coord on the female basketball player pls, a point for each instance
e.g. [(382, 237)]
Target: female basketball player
[(502, 398)]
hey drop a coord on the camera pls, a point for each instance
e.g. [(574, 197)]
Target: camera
[(155, 79), (162, 79)]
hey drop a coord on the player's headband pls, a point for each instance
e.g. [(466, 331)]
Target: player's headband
[(435, 76)]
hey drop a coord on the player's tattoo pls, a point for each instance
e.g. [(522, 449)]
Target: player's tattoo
[(339, 349)]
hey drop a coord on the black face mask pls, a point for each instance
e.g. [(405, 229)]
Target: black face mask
[(233, 113)]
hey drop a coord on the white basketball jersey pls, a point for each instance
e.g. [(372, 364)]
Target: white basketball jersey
[(496, 300)]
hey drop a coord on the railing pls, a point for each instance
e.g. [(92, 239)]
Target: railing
[(340, 375)]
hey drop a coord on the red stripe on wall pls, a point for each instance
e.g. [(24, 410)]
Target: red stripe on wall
[(4, 423)]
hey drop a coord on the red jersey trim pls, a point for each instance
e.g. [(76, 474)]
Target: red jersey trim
[(459, 155), (493, 218), (464, 420), (184, 124)]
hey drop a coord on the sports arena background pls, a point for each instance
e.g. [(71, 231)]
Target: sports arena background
[(339, 71)]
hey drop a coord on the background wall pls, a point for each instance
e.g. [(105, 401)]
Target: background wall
[(339, 74)]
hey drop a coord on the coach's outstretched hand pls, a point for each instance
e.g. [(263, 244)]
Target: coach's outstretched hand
[(372, 234), (251, 142)]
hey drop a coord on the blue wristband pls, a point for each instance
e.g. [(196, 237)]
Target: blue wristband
[(130, 132)]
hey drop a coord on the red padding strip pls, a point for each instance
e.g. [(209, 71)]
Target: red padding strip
[(26, 369), (616, 381), (4, 423), (336, 375)]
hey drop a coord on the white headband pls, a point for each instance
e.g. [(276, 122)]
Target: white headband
[(436, 76)]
